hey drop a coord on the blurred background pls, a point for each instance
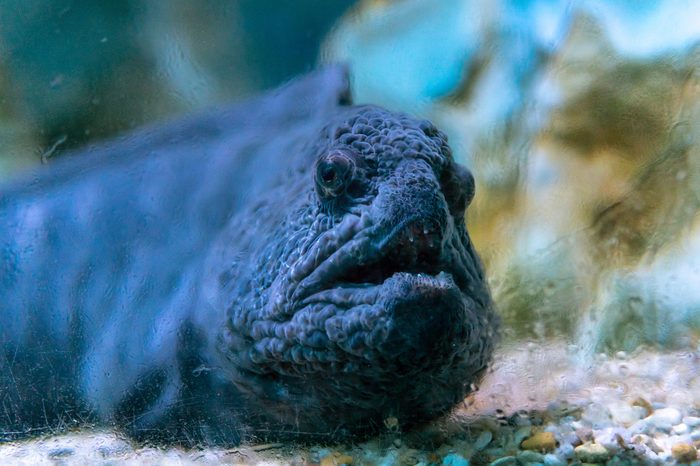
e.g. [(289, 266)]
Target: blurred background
[(580, 121), (73, 71)]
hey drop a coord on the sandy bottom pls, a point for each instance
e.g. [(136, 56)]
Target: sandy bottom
[(539, 405)]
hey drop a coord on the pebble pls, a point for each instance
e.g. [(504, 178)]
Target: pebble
[(336, 459), (61, 452), (530, 457), (541, 441), (644, 404), (521, 434), (584, 434), (605, 431), (565, 450), (494, 452), (680, 429), (505, 461), (576, 425), (568, 437), (597, 415), (640, 427), (453, 459), (592, 453), (684, 453), (553, 460), (522, 420), (392, 458), (624, 413), (691, 421), (653, 446), (665, 418), (648, 442), (614, 439), (483, 440)]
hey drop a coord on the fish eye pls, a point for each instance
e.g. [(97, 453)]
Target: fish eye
[(334, 171)]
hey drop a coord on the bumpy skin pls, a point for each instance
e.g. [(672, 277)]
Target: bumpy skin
[(292, 266)]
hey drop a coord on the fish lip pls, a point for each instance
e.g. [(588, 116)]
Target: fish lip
[(367, 249), (370, 293)]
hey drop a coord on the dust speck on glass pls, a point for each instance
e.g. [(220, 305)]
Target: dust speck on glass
[(354, 232)]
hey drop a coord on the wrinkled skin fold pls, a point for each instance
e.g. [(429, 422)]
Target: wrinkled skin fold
[(293, 266)]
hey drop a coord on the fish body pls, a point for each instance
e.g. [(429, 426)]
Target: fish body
[(293, 265)]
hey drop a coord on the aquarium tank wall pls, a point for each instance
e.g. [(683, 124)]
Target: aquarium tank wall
[(580, 122)]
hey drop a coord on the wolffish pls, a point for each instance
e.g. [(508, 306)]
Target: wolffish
[(292, 266)]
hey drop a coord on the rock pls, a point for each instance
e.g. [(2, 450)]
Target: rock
[(617, 461), (613, 439), (409, 456), (642, 403), (684, 453), (623, 413), (639, 450), (565, 451), (597, 415), (336, 459), (585, 434), (483, 440), (691, 421), (592, 453), (665, 418), (541, 441), (61, 453), (680, 429), (653, 446), (563, 436), (392, 424), (392, 458), (505, 461), (639, 427), (576, 425), (648, 442), (494, 452), (521, 434), (553, 460), (114, 448), (528, 456), (453, 459), (522, 419)]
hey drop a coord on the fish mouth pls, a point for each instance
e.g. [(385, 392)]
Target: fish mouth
[(357, 270), (412, 247)]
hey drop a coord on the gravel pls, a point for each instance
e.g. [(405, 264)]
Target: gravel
[(541, 405)]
